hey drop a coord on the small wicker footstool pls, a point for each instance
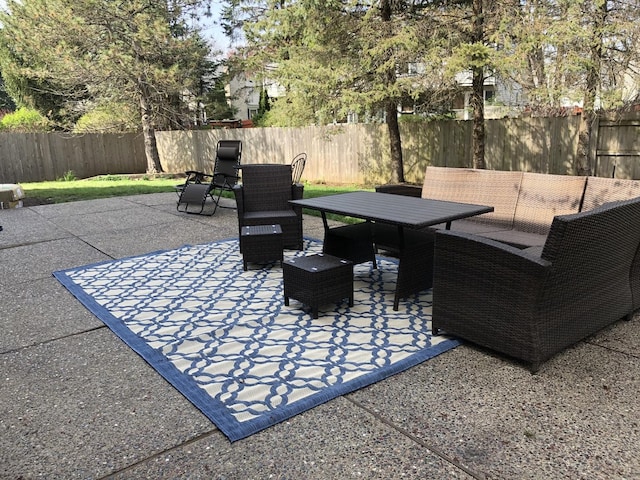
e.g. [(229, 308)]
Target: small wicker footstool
[(261, 243), (317, 280)]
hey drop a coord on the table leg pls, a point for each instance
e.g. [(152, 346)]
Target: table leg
[(415, 265)]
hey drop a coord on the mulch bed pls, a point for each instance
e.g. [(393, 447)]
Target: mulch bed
[(34, 201)]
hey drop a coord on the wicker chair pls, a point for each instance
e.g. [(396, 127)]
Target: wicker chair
[(263, 199), (530, 306)]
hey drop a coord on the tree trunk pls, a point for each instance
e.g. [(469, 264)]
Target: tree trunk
[(148, 132), (584, 161), (477, 95), (397, 169), (477, 103), (391, 111)]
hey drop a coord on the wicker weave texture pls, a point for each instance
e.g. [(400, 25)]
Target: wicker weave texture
[(316, 280), (524, 203), (353, 242), (482, 187), (263, 199), (261, 243), (544, 196), (604, 190), (532, 307)]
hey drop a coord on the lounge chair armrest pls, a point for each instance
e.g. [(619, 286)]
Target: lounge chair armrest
[(194, 176)]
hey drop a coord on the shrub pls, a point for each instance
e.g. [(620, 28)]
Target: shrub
[(112, 118), (25, 120), (69, 176)]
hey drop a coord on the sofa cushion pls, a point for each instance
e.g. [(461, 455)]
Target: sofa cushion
[(603, 190), (469, 225), (482, 187), (542, 197), (517, 238)]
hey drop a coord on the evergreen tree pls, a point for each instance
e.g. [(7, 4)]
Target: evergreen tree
[(341, 56), (264, 106), (6, 102)]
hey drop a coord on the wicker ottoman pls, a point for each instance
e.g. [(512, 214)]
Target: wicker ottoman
[(317, 280), (261, 243)]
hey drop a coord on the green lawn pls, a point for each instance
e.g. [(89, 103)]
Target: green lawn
[(108, 186)]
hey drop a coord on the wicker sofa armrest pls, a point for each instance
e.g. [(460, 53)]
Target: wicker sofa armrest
[(471, 271), (491, 258), (488, 293)]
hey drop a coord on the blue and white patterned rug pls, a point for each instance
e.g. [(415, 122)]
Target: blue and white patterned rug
[(224, 338)]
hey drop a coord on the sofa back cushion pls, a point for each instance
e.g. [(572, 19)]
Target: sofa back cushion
[(603, 190), (498, 189), (543, 196)]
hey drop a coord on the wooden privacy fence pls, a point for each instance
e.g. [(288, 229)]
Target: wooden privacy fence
[(359, 154), (339, 154), (34, 157)]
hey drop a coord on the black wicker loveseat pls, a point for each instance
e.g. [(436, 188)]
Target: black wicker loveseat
[(530, 304)]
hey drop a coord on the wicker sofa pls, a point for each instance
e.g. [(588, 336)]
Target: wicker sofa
[(529, 304), (557, 260)]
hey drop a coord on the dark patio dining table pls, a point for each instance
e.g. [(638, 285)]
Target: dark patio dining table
[(400, 220)]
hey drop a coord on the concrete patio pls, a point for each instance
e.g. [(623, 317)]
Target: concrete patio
[(76, 402)]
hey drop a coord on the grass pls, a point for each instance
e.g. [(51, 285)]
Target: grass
[(101, 187), (70, 189)]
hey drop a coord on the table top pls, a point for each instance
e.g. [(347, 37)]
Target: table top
[(393, 209)]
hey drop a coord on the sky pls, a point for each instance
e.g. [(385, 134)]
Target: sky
[(210, 30)]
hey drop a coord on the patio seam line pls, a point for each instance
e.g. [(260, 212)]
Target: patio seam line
[(436, 451), (52, 340), (72, 235), (614, 350), (28, 244), (161, 453)]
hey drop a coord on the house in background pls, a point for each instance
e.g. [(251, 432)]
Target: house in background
[(244, 90), (501, 100)]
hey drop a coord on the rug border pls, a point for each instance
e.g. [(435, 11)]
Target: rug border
[(214, 410)]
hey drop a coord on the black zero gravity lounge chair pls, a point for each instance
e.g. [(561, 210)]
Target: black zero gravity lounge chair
[(198, 185)]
